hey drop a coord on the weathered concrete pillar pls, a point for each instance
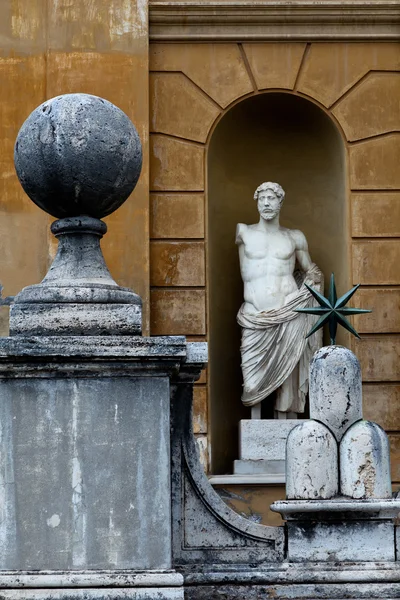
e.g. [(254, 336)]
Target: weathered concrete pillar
[(85, 485)]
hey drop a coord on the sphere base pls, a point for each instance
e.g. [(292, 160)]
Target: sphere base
[(78, 295)]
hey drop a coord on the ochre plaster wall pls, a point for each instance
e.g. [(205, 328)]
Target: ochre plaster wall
[(52, 47), (357, 84)]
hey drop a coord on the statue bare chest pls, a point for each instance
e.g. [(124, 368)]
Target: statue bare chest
[(268, 248)]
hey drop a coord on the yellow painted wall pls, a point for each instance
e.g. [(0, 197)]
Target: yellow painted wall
[(52, 47)]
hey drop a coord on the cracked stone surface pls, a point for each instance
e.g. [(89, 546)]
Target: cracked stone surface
[(78, 154), (311, 462), (365, 462), (335, 389)]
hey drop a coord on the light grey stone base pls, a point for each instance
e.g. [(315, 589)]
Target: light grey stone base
[(264, 439), (341, 529), (262, 447), (155, 593), (71, 318), (346, 542), (259, 467), (92, 585), (295, 581)]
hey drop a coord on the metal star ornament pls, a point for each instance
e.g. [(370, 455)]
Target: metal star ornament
[(332, 310)]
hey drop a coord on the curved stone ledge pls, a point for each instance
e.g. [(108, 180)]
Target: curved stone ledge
[(337, 507)]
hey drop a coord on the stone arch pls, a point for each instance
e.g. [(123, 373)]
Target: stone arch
[(355, 84), (273, 136)]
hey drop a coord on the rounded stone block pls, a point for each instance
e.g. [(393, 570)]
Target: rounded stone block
[(311, 463), (78, 154), (365, 462), (335, 389)]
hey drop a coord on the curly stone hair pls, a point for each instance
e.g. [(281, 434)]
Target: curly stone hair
[(270, 185)]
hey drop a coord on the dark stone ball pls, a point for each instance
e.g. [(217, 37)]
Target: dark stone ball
[(78, 154)]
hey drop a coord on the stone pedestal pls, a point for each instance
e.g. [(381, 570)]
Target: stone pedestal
[(262, 446), (339, 505), (340, 530), (85, 459)]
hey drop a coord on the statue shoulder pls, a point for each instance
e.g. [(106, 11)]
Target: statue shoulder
[(241, 229), (299, 239)]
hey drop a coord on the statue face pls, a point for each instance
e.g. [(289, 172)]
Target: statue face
[(268, 205)]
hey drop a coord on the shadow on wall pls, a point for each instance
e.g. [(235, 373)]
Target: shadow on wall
[(269, 137)]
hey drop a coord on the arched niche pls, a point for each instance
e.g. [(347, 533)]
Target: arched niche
[(279, 137)]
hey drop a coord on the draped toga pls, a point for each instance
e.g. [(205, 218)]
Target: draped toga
[(274, 346)]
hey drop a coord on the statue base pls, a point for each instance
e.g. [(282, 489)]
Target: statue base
[(262, 445), (340, 529)]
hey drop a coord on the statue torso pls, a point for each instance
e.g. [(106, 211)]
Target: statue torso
[(267, 263)]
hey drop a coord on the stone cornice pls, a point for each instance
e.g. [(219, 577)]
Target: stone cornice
[(265, 20)]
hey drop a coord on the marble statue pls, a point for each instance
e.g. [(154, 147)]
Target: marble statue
[(275, 353)]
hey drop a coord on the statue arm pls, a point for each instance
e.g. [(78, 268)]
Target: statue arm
[(240, 228), (303, 256)]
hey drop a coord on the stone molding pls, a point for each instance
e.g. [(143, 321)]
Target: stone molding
[(248, 20)]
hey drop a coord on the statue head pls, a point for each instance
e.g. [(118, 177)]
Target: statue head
[(269, 197)]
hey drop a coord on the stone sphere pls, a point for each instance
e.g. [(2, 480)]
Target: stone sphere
[(78, 154)]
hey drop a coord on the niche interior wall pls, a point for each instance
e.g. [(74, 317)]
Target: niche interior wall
[(271, 136), (192, 86)]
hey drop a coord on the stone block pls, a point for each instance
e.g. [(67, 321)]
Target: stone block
[(365, 462), (74, 465), (375, 214), (176, 216), (259, 467), (385, 315), (179, 108), (379, 357), (381, 404), (275, 65), (177, 263), (351, 541), (373, 163), (144, 593), (264, 439), (180, 312), (377, 95), (332, 69), (200, 409), (376, 262), (175, 165), (311, 462), (218, 69)]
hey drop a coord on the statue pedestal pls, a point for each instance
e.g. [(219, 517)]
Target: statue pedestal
[(340, 529), (262, 446)]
